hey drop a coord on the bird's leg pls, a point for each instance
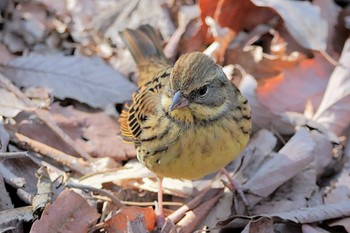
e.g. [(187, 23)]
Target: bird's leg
[(159, 211), (234, 186)]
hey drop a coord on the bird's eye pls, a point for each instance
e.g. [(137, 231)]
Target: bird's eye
[(203, 90)]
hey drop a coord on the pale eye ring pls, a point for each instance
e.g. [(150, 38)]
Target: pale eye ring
[(203, 90)]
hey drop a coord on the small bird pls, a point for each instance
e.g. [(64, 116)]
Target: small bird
[(186, 121)]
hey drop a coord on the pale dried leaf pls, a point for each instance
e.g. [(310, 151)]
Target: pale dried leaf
[(290, 161), (300, 216), (340, 191), (10, 104), (329, 11), (315, 214), (69, 213), (222, 210), (21, 213), (334, 110), (4, 138), (258, 149), (323, 152), (132, 14), (5, 200), (298, 192), (86, 79), (303, 21), (6, 56), (306, 228)]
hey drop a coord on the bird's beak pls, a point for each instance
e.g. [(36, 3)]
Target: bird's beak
[(179, 101)]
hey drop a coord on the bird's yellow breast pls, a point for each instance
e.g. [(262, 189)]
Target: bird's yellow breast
[(198, 151)]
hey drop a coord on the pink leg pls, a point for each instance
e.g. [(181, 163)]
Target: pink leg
[(159, 211), (234, 186)]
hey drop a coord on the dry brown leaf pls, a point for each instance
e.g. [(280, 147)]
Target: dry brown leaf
[(260, 225), (20, 174), (86, 79), (334, 110), (70, 213), (196, 215), (10, 104), (236, 15), (291, 89), (96, 132), (119, 222)]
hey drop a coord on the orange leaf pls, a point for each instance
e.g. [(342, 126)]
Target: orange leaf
[(119, 222)]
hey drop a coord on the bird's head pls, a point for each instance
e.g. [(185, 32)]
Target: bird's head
[(198, 90)]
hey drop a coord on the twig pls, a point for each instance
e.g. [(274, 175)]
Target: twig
[(103, 192), (74, 163), (201, 196), (43, 115), (14, 155)]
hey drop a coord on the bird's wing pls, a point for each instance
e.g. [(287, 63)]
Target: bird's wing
[(144, 106)]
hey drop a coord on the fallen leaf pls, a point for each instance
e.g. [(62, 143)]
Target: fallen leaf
[(119, 221), (236, 15), (260, 225), (334, 111), (69, 213), (305, 81), (5, 200), (10, 104), (86, 79), (303, 21), (306, 228), (299, 216), (4, 138), (293, 158), (96, 133), (6, 56), (16, 214)]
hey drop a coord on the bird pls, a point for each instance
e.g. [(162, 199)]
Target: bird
[(186, 120)]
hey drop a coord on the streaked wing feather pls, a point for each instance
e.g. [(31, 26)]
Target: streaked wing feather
[(145, 104)]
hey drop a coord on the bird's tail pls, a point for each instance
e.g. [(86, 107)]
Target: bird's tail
[(145, 47)]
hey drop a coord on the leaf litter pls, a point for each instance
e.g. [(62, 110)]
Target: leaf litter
[(65, 75)]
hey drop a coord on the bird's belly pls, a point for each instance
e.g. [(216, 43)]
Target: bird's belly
[(199, 151)]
